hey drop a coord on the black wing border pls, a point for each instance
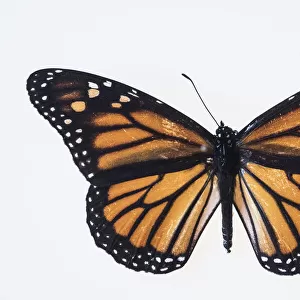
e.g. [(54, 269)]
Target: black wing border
[(280, 264), (121, 249), (283, 107), (148, 102), (157, 104), (287, 163)]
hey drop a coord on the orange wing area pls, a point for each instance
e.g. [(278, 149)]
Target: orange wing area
[(268, 202), (114, 132), (145, 136), (153, 223), (276, 126), (277, 139)]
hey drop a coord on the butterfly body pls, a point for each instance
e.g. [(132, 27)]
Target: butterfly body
[(157, 176), (227, 164)]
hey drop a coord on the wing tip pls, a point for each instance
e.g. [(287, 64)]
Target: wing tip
[(287, 265)]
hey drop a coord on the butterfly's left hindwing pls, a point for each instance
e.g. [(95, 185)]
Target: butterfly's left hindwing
[(153, 184), (153, 223), (113, 131)]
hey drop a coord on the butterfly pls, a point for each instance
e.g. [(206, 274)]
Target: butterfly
[(157, 176)]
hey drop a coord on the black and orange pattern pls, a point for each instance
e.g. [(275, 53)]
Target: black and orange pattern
[(157, 176), (114, 132), (273, 139), (269, 205), (267, 194), (153, 188), (153, 223)]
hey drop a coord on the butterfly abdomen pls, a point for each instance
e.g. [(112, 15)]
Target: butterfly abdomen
[(226, 162)]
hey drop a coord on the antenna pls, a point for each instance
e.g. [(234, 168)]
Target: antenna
[(187, 77)]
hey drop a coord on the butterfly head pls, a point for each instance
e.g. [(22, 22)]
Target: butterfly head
[(225, 137), (225, 132)]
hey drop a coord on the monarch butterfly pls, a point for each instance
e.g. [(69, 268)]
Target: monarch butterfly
[(157, 176)]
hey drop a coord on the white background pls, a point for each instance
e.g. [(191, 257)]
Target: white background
[(245, 58)]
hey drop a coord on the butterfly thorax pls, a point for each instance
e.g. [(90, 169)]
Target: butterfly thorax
[(226, 156), (226, 164)]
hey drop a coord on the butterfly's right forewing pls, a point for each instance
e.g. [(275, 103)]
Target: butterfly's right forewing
[(273, 139)]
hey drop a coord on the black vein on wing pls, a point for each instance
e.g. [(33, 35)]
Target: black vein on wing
[(291, 179), (289, 132), (249, 213), (279, 199), (189, 210), (170, 203), (161, 135), (265, 219), (192, 241), (149, 186), (148, 206)]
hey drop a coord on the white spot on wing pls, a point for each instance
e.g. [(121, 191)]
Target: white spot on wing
[(93, 85), (134, 95), (107, 83)]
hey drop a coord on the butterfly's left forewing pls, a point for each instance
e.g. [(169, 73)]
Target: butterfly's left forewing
[(153, 185), (267, 189), (113, 131)]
